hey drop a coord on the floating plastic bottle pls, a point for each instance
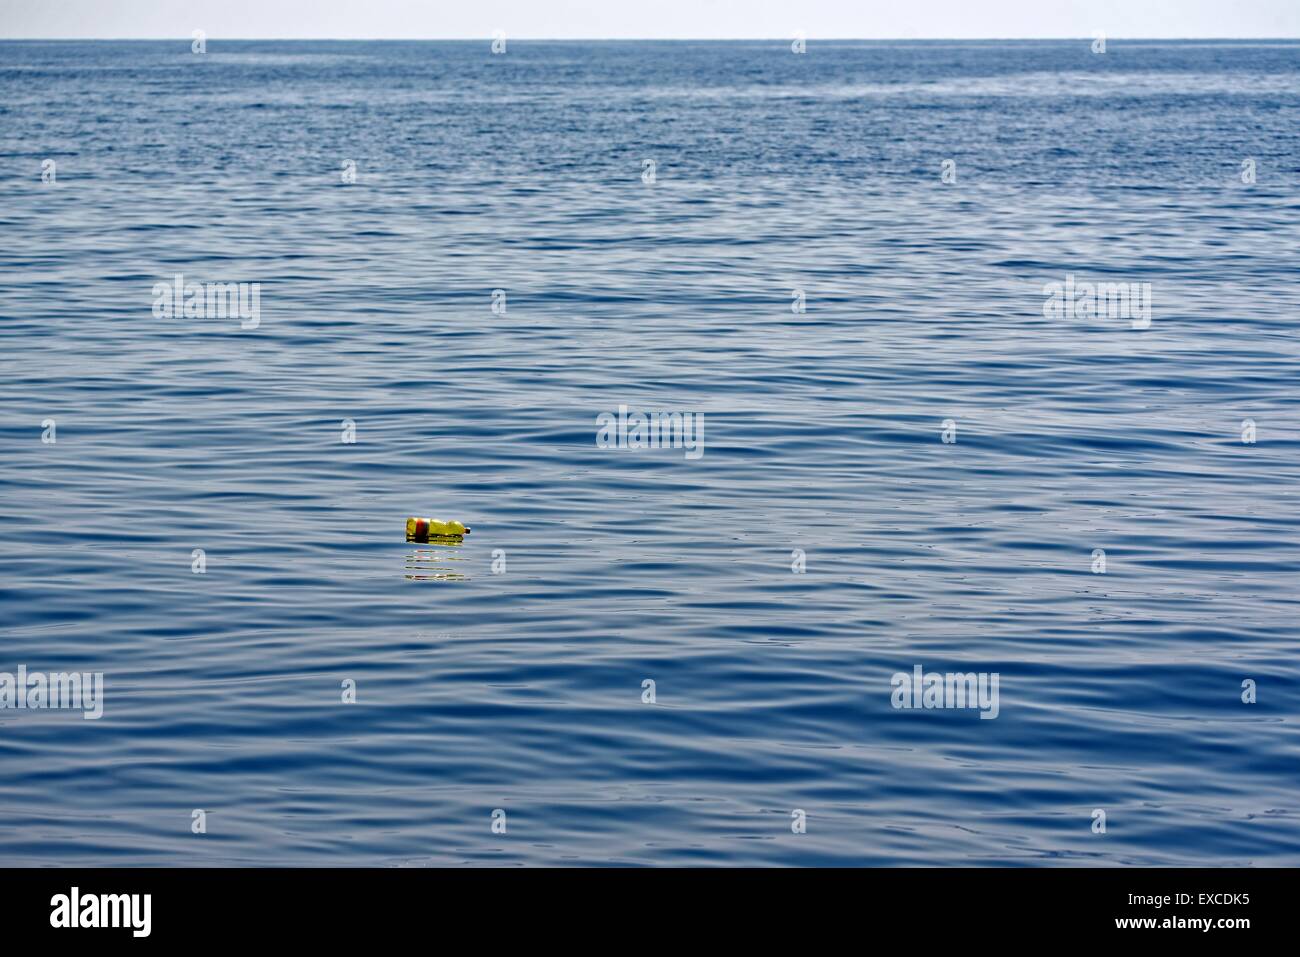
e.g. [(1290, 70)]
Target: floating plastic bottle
[(422, 529)]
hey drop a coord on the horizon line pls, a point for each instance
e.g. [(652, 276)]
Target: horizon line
[(527, 39)]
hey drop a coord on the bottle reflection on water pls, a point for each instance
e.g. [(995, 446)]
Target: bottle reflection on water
[(436, 560)]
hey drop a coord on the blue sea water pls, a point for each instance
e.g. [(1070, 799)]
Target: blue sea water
[(523, 691)]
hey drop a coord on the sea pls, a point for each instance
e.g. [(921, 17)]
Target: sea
[(977, 359)]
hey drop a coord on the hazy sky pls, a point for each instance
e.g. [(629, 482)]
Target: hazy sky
[(432, 19)]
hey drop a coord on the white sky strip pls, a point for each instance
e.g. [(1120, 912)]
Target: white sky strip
[(666, 19)]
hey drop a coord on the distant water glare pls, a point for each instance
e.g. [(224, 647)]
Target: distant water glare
[(891, 278)]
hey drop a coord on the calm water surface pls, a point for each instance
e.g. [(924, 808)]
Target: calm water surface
[(523, 691)]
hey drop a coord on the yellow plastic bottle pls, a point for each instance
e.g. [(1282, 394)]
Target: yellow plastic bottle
[(419, 529)]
